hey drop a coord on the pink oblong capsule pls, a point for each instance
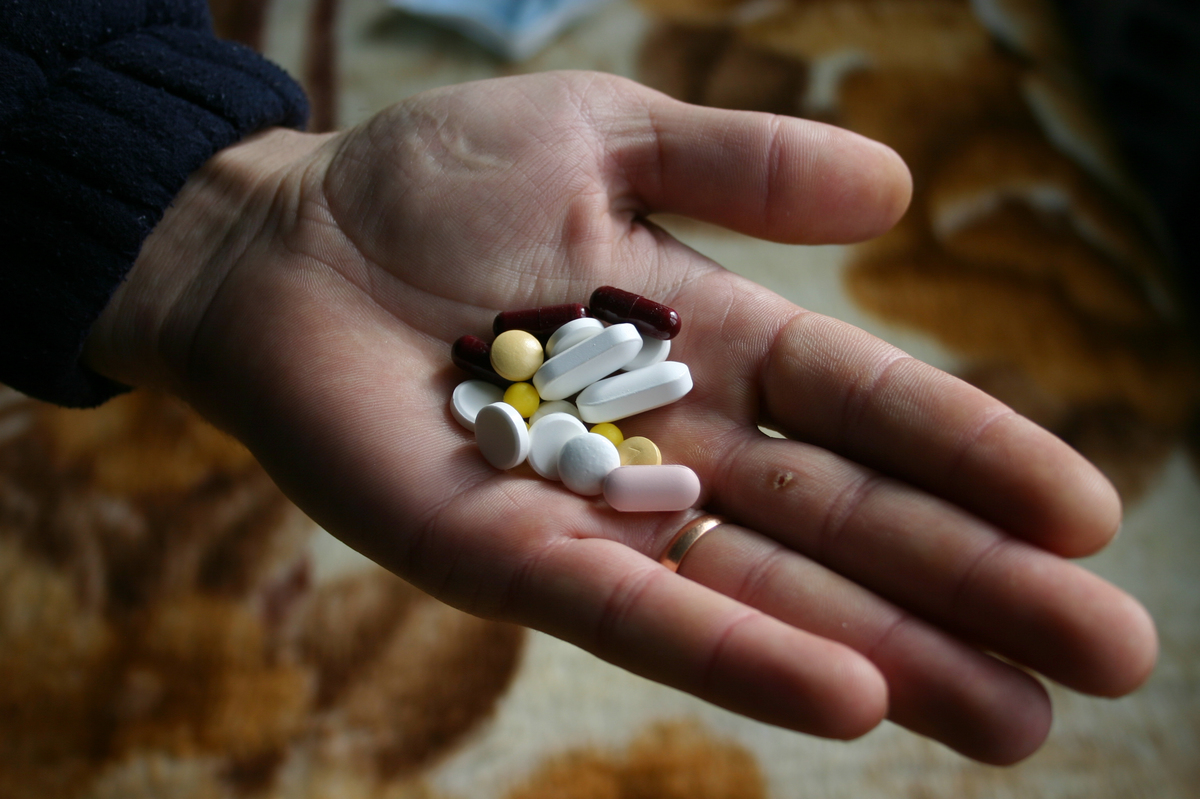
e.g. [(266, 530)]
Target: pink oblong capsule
[(651, 488), (474, 356), (653, 319), (540, 322)]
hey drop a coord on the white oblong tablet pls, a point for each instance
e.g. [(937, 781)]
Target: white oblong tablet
[(634, 392), (651, 488), (654, 350), (587, 362), (554, 406), (502, 435), (584, 462), (546, 439), (469, 397), (574, 332)]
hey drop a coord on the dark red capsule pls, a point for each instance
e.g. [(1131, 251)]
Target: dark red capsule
[(541, 322), (474, 356), (653, 319)]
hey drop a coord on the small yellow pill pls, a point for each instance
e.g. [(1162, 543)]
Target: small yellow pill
[(516, 355), (639, 451), (523, 397), (610, 431)]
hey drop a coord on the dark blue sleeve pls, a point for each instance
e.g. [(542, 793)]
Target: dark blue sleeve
[(106, 107)]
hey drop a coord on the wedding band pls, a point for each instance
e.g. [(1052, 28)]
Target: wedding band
[(686, 538)]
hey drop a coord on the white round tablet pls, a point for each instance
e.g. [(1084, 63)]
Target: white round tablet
[(469, 397), (584, 462), (572, 333), (502, 435), (654, 350), (554, 406), (546, 439)]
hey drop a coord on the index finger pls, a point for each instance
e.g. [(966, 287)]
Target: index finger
[(836, 386)]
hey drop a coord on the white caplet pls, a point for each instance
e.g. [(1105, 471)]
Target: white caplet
[(634, 392), (502, 435), (554, 406), (585, 363), (546, 439), (654, 350), (574, 332), (469, 397), (584, 462)]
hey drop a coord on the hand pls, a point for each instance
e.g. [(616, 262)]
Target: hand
[(303, 294)]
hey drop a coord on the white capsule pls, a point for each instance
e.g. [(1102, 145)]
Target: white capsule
[(469, 397), (502, 435), (585, 363), (546, 439), (584, 462), (553, 406), (651, 488), (634, 392), (654, 350), (574, 332)]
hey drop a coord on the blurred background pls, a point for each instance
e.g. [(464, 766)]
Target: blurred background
[(170, 626)]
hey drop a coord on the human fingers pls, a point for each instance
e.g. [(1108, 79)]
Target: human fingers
[(937, 685), (920, 551), (830, 384), (769, 176), (938, 562)]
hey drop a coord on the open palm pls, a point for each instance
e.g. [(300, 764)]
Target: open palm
[(908, 527)]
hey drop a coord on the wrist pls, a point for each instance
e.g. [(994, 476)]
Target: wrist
[(227, 208)]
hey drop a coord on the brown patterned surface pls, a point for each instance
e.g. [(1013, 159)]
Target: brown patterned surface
[(158, 621), (678, 760), (1021, 251)]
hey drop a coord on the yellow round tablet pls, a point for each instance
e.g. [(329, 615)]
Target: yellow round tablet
[(516, 355), (523, 397), (639, 451), (611, 432)]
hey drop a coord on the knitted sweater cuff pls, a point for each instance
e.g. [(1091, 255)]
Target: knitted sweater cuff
[(92, 151)]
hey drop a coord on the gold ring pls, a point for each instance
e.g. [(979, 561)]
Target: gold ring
[(686, 538)]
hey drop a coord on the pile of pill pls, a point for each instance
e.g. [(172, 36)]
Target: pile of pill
[(541, 359)]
